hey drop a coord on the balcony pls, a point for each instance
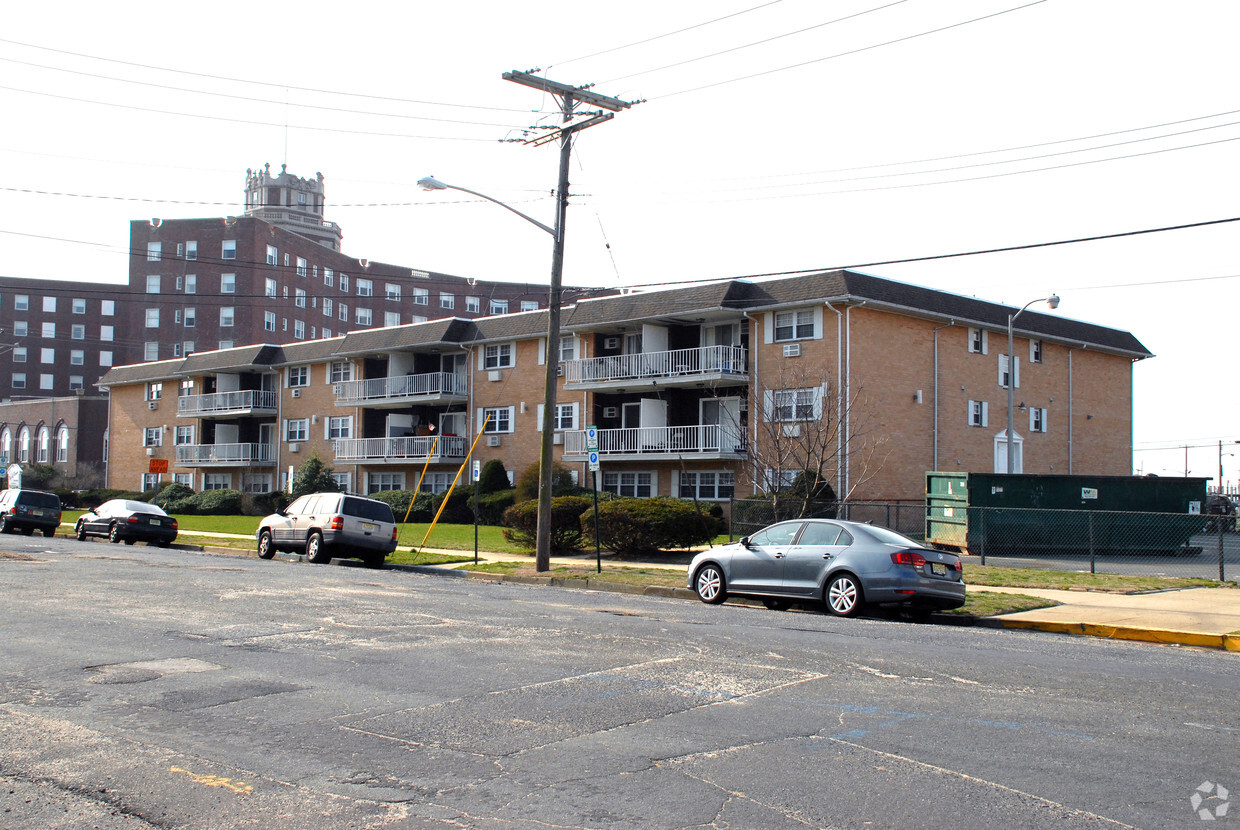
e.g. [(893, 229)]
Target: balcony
[(244, 402), (200, 455), (436, 387), (410, 448), (699, 441), (679, 367)]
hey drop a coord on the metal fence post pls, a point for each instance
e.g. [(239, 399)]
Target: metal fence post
[(1092, 552), (981, 533), (1222, 522)]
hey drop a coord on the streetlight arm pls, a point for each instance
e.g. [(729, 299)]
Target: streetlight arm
[(430, 183)]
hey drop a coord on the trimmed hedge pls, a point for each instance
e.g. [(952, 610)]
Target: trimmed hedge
[(642, 526), (521, 524)]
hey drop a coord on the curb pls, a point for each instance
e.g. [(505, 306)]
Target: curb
[(1226, 642)]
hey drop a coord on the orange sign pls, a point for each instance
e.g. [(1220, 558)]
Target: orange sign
[(158, 465)]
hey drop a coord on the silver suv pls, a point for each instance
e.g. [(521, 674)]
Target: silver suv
[(323, 525)]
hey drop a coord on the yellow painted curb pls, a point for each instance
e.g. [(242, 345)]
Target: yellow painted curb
[(1119, 632)]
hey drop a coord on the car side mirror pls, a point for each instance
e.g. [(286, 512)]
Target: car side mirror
[(744, 540)]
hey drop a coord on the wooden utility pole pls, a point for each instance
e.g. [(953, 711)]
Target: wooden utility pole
[(570, 97)]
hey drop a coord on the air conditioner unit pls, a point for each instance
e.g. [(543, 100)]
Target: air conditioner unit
[(150, 451), (296, 393), (559, 370), (494, 441), (495, 374), (338, 389), (611, 342), (611, 412), (294, 447), (152, 405), (557, 439), (792, 350)]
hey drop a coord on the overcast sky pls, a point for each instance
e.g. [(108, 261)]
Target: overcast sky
[(773, 137)]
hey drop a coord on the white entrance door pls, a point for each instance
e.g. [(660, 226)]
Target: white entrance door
[(1018, 464), (721, 420)]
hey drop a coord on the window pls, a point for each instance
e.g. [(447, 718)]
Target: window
[(23, 444), (1003, 371), (365, 288), (529, 305), (188, 348), (378, 482), (634, 485), (794, 404), (79, 306), (978, 414), (47, 356), (62, 444), (977, 341), (176, 349), (392, 292), (105, 358), (47, 381), (473, 304), (21, 302), (49, 305), (297, 429), (286, 260), (499, 306), (344, 482), (299, 297), (706, 485), (301, 266), (152, 284), (191, 284), (191, 250), (229, 249), (184, 478), (191, 318), (49, 330), (327, 307), (19, 354), (565, 416), (228, 283), (45, 440), (364, 316), (340, 372), (421, 296), (77, 357), (226, 317), (76, 382), (78, 331), (314, 271), (269, 321), (1037, 419), (1035, 351), (152, 318), (273, 256), (794, 325), (153, 437), (391, 318), (225, 344), (184, 435), (297, 376), (154, 391), (153, 251), (344, 283), (447, 301), (217, 481), (107, 333), (271, 290), (344, 312), (498, 356), (339, 427), (299, 329), (20, 328), (19, 380), (501, 419), (568, 349), (329, 276)]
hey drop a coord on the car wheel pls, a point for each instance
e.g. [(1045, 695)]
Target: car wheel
[(49, 532), (844, 598), (777, 604), (80, 530), (114, 534), (710, 585), (314, 550), (266, 550)]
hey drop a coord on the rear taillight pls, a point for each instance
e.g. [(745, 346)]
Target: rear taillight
[(908, 557), (393, 533), (960, 566), (174, 524), (337, 523), (133, 520)]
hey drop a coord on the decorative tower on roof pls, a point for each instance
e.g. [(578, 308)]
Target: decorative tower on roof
[(291, 203)]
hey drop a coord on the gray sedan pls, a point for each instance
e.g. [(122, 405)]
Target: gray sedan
[(845, 565)]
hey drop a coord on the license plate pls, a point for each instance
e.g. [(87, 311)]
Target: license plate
[(368, 526), (36, 512), (937, 569)]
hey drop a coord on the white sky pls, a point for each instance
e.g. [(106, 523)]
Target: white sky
[(882, 143)]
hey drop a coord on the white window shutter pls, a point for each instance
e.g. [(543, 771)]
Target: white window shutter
[(1016, 372), (985, 343), (540, 417), (768, 327), (542, 352), (327, 428), (768, 404), (818, 333), (1032, 417), (985, 414), (1045, 425), (654, 484), (1003, 360)]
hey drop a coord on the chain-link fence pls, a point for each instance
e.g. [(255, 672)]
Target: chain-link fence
[(1162, 544)]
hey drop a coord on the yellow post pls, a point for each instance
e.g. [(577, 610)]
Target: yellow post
[(444, 504), (418, 489)]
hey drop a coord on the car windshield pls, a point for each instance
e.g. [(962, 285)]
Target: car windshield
[(39, 499)]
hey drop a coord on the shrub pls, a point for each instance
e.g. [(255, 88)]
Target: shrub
[(93, 498), (423, 508), (398, 500), (215, 503), (313, 476), (263, 504), (492, 506), (642, 526), (171, 493), (521, 524), (493, 478), (460, 506), (561, 482)]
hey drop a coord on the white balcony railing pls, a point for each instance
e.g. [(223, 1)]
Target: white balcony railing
[(225, 453), (699, 438), (414, 447), (401, 387), (705, 360), (219, 403)]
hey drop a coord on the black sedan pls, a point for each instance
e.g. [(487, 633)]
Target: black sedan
[(128, 521)]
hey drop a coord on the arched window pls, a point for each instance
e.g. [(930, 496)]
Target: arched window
[(45, 440), (6, 444), (62, 444), (23, 445)]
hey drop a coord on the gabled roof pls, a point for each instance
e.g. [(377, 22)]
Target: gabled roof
[(450, 330), (140, 373), (630, 308), (309, 351), (517, 326), (238, 359)]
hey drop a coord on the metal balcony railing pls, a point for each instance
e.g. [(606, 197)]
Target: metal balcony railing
[(401, 387), (224, 402), (413, 447), (705, 360), (225, 453), (698, 438)]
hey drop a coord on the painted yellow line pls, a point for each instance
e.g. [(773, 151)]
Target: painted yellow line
[(215, 781)]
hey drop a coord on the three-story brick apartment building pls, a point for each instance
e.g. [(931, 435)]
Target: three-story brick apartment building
[(709, 391)]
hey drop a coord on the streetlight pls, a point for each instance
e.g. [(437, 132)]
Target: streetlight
[(1053, 302), (542, 560)]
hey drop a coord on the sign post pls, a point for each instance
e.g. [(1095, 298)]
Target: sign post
[(592, 448), (476, 475)]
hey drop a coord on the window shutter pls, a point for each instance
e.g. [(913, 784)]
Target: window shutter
[(768, 404), (985, 343), (1003, 361), (1044, 423), (985, 414), (768, 327), (541, 409), (542, 352), (818, 323), (1016, 372), (968, 414)]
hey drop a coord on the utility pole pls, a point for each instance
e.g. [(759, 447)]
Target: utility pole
[(570, 97)]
